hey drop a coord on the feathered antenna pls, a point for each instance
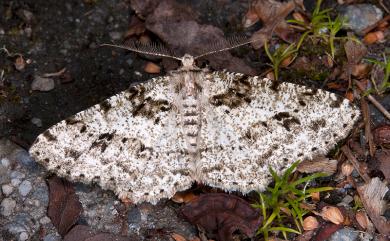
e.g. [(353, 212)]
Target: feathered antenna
[(154, 49), (226, 44)]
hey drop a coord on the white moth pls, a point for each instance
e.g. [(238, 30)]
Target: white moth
[(219, 128)]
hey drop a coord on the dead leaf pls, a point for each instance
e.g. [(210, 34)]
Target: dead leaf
[(382, 136), (184, 197), (272, 14), (383, 159), (325, 231), (221, 214), (64, 207), (152, 68), (176, 25), (361, 168), (318, 164), (374, 37), (355, 51), (85, 233), (178, 237), (372, 196), (137, 27), (20, 63), (367, 126)]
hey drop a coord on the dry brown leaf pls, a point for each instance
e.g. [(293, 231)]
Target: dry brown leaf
[(310, 223), (177, 27), (64, 206), (360, 70), (326, 230), (372, 196), (85, 233), (152, 68), (137, 27), (221, 214), (383, 159), (20, 63), (332, 214), (382, 136), (184, 197), (367, 126), (318, 164), (250, 18), (178, 237), (272, 14), (361, 168), (374, 37)]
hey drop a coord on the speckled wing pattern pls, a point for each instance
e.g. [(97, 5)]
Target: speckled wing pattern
[(128, 143), (134, 144), (254, 124)]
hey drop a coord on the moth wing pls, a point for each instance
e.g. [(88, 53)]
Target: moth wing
[(128, 144), (252, 125)]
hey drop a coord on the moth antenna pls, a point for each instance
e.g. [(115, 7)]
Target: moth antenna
[(226, 44), (154, 49)]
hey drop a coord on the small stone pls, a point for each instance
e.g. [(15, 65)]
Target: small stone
[(23, 236), (5, 162), (15, 182), (24, 157), (7, 206), (25, 188), (36, 121), (346, 201), (42, 84), (115, 35), (17, 174), (52, 237), (44, 220), (345, 234), (361, 16), (129, 61), (7, 189)]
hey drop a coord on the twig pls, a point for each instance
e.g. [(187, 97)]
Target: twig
[(359, 168), (367, 126), (55, 74), (374, 101), (383, 6)]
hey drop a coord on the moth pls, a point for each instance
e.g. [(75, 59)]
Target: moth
[(194, 125)]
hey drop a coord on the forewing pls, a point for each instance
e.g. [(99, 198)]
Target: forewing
[(129, 144), (252, 125)]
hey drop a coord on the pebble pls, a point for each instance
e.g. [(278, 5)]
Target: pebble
[(17, 174), (345, 234), (15, 182), (51, 237), (5, 162), (42, 84), (7, 189), (44, 220), (23, 236), (36, 121), (115, 35), (25, 188), (7, 206), (360, 16), (24, 157)]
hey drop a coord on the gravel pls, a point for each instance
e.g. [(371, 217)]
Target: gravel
[(25, 188)]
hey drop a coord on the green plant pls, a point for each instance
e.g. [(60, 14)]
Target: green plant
[(280, 54), (321, 26), (284, 201), (385, 66)]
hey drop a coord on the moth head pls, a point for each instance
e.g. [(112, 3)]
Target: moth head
[(187, 61)]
